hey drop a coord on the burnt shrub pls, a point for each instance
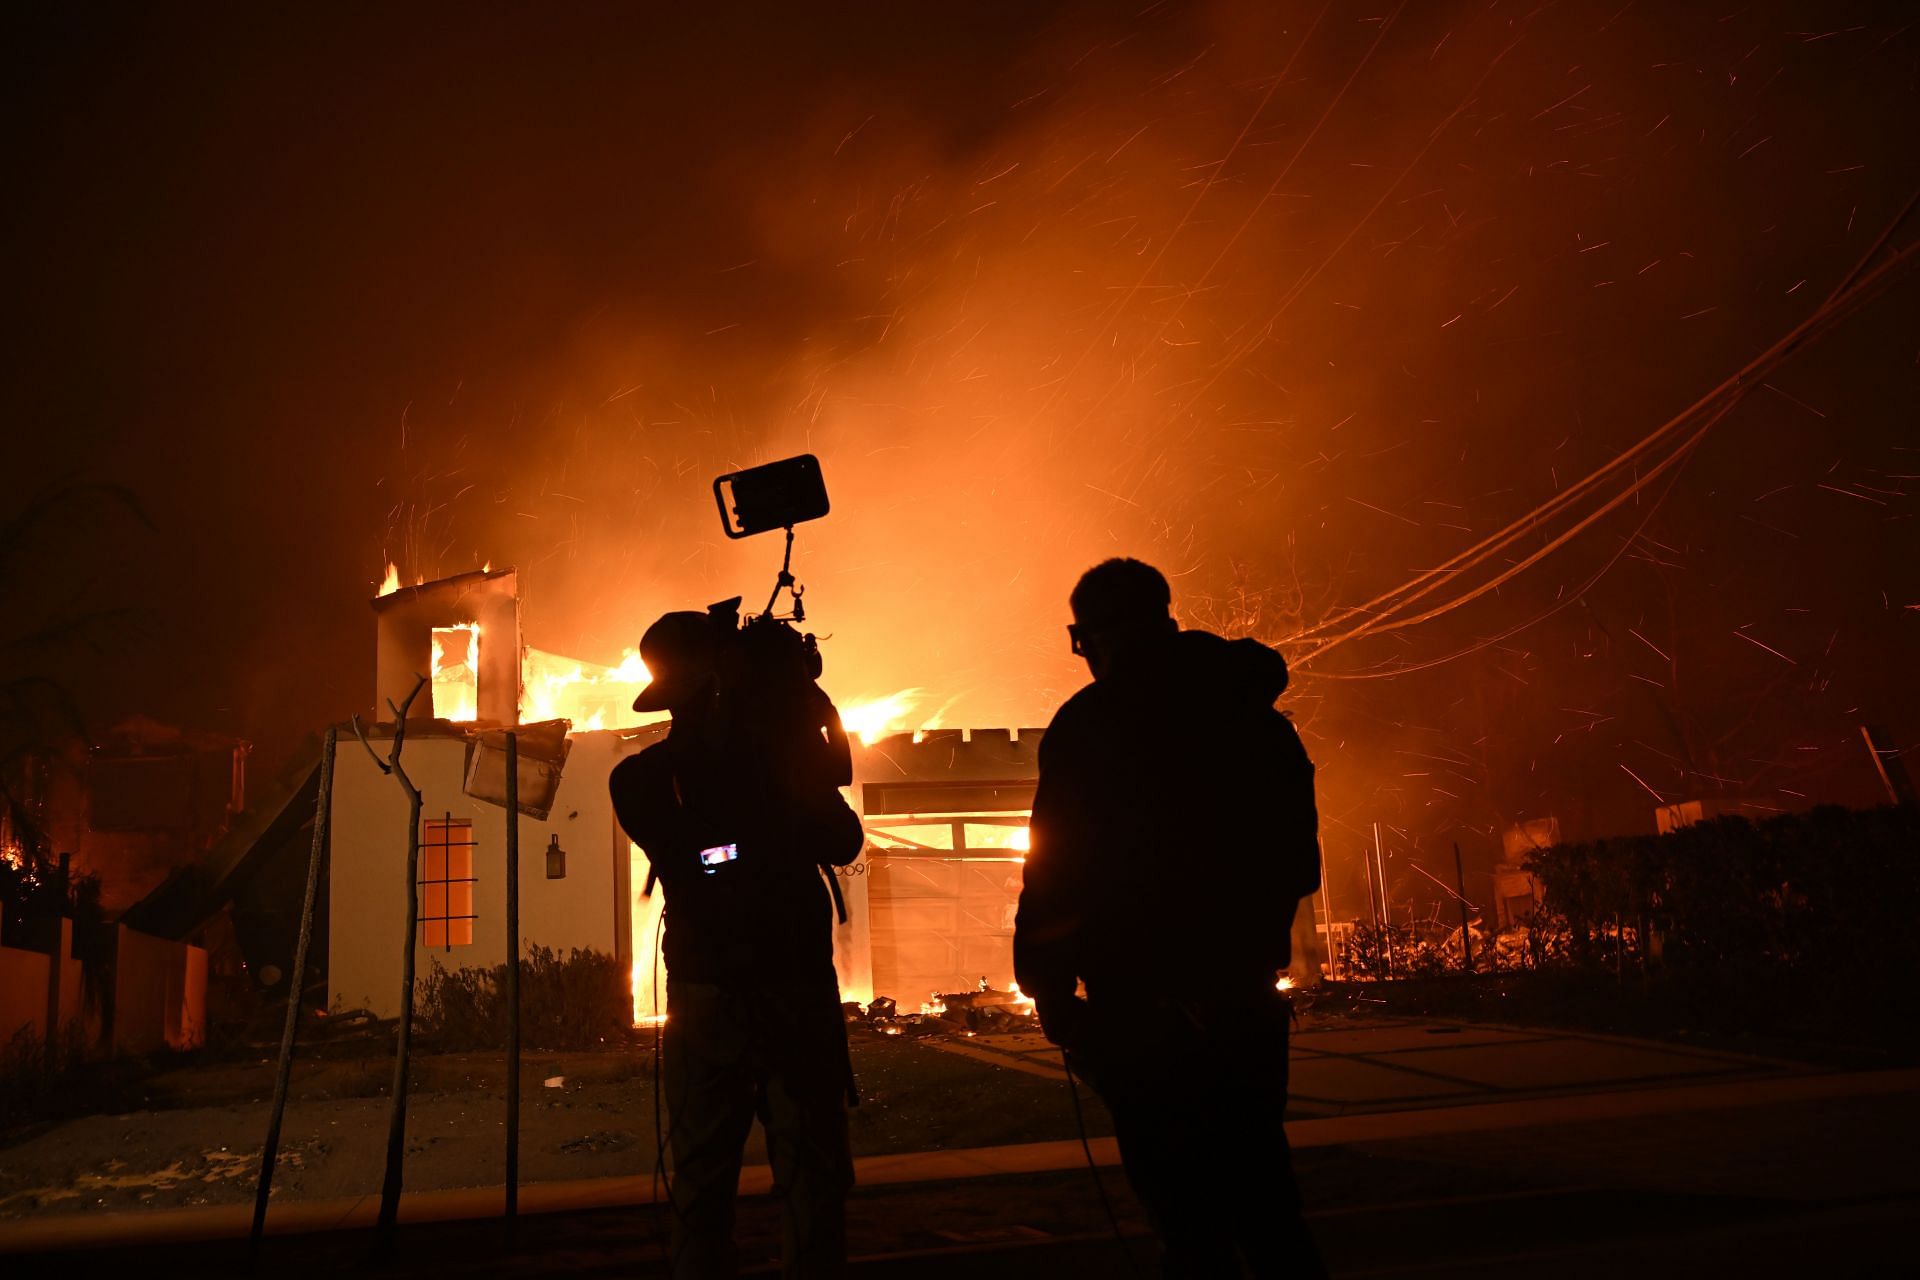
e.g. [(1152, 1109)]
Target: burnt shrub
[(579, 1001), (39, 1082), (28, 1078), (1821, 899), (1400, 951)]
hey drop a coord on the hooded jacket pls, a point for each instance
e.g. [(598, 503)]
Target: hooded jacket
[(1174, 830)]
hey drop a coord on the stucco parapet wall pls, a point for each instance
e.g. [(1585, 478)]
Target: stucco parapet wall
[(950, 755)]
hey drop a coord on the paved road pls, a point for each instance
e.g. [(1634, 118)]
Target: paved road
[(1760, 1174)]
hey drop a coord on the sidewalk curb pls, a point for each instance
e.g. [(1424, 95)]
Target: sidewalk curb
[(76, 1231)]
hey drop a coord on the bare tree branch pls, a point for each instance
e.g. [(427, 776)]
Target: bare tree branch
[(359, 733), (403, 1042)]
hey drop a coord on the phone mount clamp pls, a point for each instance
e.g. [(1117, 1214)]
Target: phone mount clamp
[(785, 582), (774, 495)]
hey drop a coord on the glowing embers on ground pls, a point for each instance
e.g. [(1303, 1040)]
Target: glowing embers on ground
[(982, 1011)]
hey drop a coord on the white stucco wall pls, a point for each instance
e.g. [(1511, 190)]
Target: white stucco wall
[(367, 870), (592, 907)]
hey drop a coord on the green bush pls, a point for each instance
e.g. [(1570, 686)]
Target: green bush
[(581, 1001)]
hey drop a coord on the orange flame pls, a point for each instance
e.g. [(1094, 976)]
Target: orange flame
[(647, 1010), (553, 687), (456, 687), (590, 695), (391, 583), (872, 719)]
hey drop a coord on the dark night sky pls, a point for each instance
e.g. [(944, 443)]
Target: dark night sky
[(1293, 300)]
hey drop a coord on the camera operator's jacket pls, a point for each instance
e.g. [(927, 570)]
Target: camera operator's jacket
[(767, 916), (1174, 831)]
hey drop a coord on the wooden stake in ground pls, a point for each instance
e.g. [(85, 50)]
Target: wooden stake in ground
[(296, 979), (1466, 933), (1386, 904), (1373, 912), (1334, 968), (403, 1041), (513, 986)]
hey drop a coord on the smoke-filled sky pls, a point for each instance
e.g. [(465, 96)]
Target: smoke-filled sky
[(1292, 299)]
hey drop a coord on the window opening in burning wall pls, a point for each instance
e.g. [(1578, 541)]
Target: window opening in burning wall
[(446, 882), (456, 671)]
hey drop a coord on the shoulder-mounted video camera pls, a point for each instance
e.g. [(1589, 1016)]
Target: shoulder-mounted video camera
[(768, 667)]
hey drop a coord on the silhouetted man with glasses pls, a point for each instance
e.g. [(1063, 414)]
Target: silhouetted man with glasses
[(1174, 833)]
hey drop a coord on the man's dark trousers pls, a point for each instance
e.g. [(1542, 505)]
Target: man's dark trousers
[(776, 1051), (1198, 1093)]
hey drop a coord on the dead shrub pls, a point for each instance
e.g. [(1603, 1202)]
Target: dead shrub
[(580, 1001)]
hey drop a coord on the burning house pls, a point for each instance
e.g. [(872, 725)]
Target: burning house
[(463, 634), (146, 829), (930, 901)]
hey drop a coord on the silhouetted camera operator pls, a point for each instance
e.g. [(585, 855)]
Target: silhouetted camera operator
[(1173, 834), (738, 810)]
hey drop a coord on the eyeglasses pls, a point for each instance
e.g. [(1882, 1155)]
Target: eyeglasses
[(1080, 634)]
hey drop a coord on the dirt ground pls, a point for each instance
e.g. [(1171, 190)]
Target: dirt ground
[(197, 1139)]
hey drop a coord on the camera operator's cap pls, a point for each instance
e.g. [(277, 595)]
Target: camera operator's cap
[(678, 651)]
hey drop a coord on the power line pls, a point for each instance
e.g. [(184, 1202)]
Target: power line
[(1384, 611)]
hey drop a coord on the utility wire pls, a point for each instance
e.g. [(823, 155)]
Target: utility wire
[(1855, 289), (1843, 300), (1380, 624), (1485, 642)]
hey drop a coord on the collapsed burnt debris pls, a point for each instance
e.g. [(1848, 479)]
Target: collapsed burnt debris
[(983, 1011)]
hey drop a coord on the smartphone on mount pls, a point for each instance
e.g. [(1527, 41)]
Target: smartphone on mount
[(777, 495)]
